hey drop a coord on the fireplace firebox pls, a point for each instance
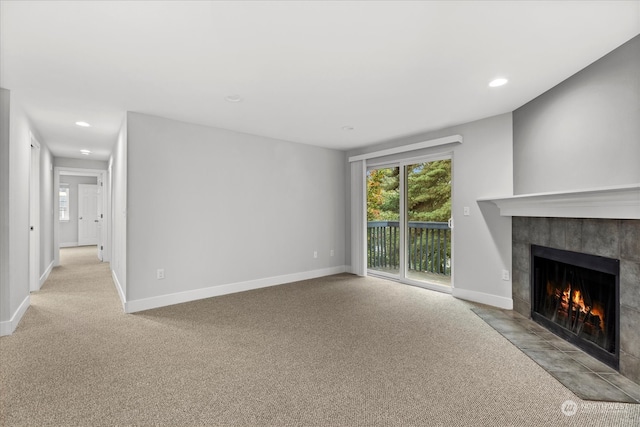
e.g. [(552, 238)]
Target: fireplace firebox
[(576, 296)]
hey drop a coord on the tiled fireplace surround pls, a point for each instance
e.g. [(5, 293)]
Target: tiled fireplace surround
[(612, 238)]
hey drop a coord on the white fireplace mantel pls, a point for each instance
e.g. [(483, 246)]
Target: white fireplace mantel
[(620, 202)]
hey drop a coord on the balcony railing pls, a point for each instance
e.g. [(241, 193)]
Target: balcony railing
[(428, 246)]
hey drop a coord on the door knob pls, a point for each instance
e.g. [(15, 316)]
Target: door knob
[(95, 220)]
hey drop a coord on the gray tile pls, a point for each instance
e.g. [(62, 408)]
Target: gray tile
[(556, 361), (630, 240), (590, 362), (521, 306), (630, 366), (547, 335), (624, 384), (601, 237), (505, 325), (534, 327), (557, 236), (520, 229), (573, 235), (540, 231), (590, 386), (521, 256), (527, 340), (630, 283), (629, 330), (521, 286), (562, 345)]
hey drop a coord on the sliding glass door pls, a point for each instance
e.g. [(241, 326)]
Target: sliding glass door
[(409, 233), (383, 221)]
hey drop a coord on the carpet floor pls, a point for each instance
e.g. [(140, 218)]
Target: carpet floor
[(336, 351)]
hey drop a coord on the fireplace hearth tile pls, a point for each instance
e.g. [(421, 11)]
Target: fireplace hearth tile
[(585, 376), (527, 340), (591, 386), (594, 365), (624, 384), (555, 360), (561, 344)]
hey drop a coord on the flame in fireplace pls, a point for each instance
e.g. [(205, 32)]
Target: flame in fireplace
[(577, 302)]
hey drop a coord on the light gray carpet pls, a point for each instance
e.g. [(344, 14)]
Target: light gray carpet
[(337, 351)]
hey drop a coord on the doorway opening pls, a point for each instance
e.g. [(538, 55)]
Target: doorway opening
[(82, 198), (409, 227)]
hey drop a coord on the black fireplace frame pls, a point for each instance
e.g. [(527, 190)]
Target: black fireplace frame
[(592, 262)]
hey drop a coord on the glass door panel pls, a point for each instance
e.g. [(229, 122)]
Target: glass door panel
[(428, 209), (383, 221)]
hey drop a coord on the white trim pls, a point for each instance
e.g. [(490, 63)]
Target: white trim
[(620, 202), (481, 297), (411, 147), (46, 274), (7, 327), (116, 282), (214, 291), (68, 245)]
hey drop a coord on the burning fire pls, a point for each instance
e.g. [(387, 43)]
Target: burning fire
[(577, 302)]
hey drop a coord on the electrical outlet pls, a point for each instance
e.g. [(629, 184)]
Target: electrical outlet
[(466, 211), (505, 274), (331, 252), (160, 273), (315, 254)]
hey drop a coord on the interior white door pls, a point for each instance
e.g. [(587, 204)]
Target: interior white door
[(88, 217)]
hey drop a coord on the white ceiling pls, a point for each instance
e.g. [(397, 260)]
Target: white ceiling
[(304, 70)]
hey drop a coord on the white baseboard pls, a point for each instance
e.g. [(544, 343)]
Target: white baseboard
[(7, 327), (116, 282), (46, 274), (214, 291), (482, 298), (69, 245)]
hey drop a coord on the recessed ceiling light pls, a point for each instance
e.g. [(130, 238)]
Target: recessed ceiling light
[(347, 128), (83, 124), (498, 82), (233, 98), (85, 152)]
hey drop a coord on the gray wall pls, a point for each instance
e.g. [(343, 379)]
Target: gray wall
[(482, 240), (69, 229), (215, 207), (117, 168), (5, 291), (585, 132), (47, 211), (14, 195)]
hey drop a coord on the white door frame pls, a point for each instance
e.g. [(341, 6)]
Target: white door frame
[(101, 175), (34, 215)]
